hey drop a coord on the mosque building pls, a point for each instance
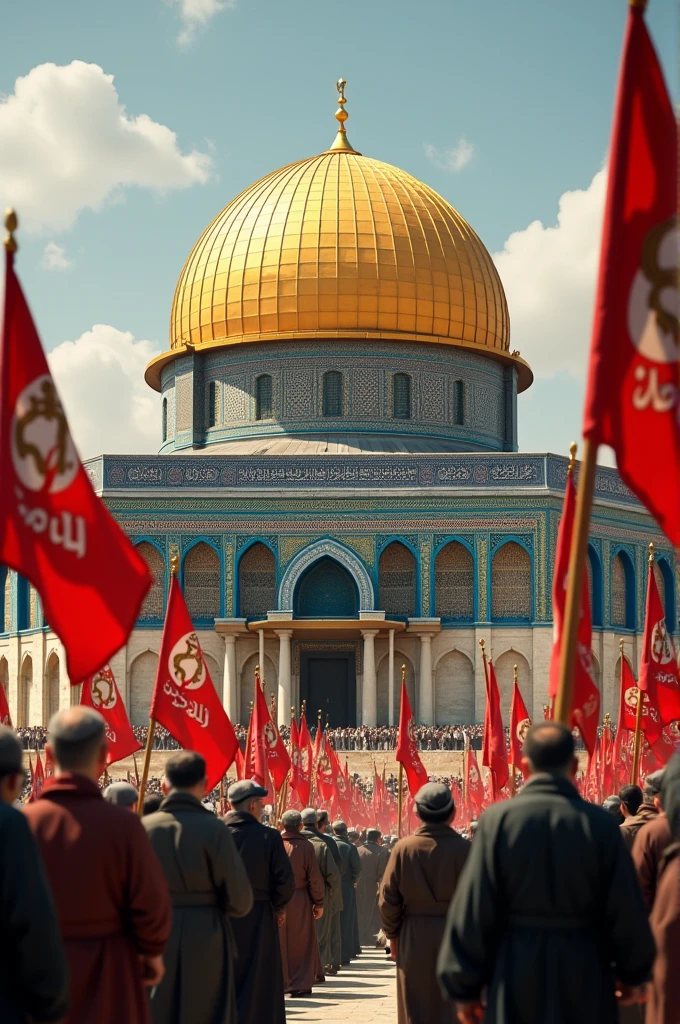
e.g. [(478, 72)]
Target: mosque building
[(338, 471)]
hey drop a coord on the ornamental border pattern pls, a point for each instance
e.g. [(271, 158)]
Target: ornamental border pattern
[(333, 549)]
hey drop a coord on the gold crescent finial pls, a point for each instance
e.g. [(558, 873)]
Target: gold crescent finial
[(11, 223), (651, 552), (174, 565), (514, 673), (403, 673), (341, 142), (641, 5)]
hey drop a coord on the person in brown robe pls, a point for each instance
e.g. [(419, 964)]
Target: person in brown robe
[(299, 944), (109, 891), (415, 893), (651, 841), (374, 858)]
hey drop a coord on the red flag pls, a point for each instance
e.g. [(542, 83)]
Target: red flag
[(378, 801), (101, 693), (607, 745), (341, 794), (184, 698), (658, 665), (294, 756), (586, 707), (268, 751), (520, 723), (49, 764), (474, 787), (239, 761), (494, 752), (54, 530), (632, 393), (323, 769), (593, 781), (305, 765), (5, 718), (407, 746), (37, 778)]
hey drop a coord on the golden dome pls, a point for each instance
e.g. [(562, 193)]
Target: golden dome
[(340, 246)]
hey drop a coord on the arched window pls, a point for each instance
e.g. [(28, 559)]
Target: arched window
[(257, 582), (401, 397), (397, 581), (263, 397), (459, 403), (623, 592), (164, 418), (142, 681), (213, 404), (51, 695), (511, 583), (201, 577), (24, 694), (332, 393), (454, 583), (153, 607), (594, 570), (454, 690)]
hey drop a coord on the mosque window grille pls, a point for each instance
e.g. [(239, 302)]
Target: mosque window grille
[(332, 393), (459, 403), (201, 577), (397, 581), (454, 583), (33, 608), (257, 582), (511, 583), (164, 417), (401, 396), (263, 397), (619, 593), (153, 606), (213, 404)]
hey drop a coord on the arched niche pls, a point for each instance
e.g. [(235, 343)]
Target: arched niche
[(622, 591), (397, 581), (142, 681), (454, 690), (24, 691), (51, 693), (504, 667), (454, 583), (256, 582), (153, 607), (383, 687), (511, 583), (326, 590), (247, 684), (201, 578)]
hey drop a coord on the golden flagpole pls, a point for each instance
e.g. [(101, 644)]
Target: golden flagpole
[(638, 711), (577, 565)]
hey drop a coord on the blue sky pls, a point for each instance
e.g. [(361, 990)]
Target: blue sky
[(528, 86)]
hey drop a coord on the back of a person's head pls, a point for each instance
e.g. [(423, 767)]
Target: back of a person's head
[(152, 803), (321, 817), (291, 820), (76, 736), (549, 747), (631, 798), (653, 785), (185, 769), (11, 752), (373, 835)]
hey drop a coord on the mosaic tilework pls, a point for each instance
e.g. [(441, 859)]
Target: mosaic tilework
[(237, 400), (341, 554), (365, 394), (228, 555), (201, 574), (154, 601), (289, 546), (511, 583), (454, 583), (184, 395), (364, 547), (298, 394), (397, 581), (425, 587), (257, 581), (483, 575)]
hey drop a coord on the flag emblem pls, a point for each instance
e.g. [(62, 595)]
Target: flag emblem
[(44, 456), (270, 735), (473, 775), (662, 652), (186, 664), (103, 689), (523, 728), (652, 305)]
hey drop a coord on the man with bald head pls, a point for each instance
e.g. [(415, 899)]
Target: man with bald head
[(548, 916), (109, 890), (299, 946)]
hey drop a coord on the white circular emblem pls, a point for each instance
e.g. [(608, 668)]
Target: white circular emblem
[(523, 728), (270, 735), (304, 760), (186, 664), (662, 652), (474, 776), (44, 456), (103, 690), (653, 299)]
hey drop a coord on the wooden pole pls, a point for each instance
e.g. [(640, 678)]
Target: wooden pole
[(134, 761), (145, 767), (400, 799), (577, 563), (637, 743)]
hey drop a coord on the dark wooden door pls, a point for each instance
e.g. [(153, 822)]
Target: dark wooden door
[(328, 683)]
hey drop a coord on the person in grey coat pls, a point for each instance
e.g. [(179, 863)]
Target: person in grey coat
[(350, 870), (33, 971), (332, 882), (208, 884), (548, 915)]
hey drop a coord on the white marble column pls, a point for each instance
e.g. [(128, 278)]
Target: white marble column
[(229, 687), (369, 702), (426, 694), (285, 698), (390, 677)]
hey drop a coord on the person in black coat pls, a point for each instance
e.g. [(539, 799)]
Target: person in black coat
[(350, 871), (548, 916), (258, 968), (33, 972)]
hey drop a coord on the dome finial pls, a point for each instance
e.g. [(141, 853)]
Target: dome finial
[(341, 141)]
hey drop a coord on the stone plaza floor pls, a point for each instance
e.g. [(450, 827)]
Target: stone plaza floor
[(364, 990)]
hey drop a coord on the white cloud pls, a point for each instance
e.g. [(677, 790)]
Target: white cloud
[(196, 14), (453, 159), (55, 258), (549, 276), (68, 144), (100, 378)]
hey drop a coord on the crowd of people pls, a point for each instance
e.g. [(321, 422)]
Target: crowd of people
[(109, 917)]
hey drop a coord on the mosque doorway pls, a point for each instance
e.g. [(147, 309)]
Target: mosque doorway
[(328, 683)]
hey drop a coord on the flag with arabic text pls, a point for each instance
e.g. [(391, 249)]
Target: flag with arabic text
[(101, 692)]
